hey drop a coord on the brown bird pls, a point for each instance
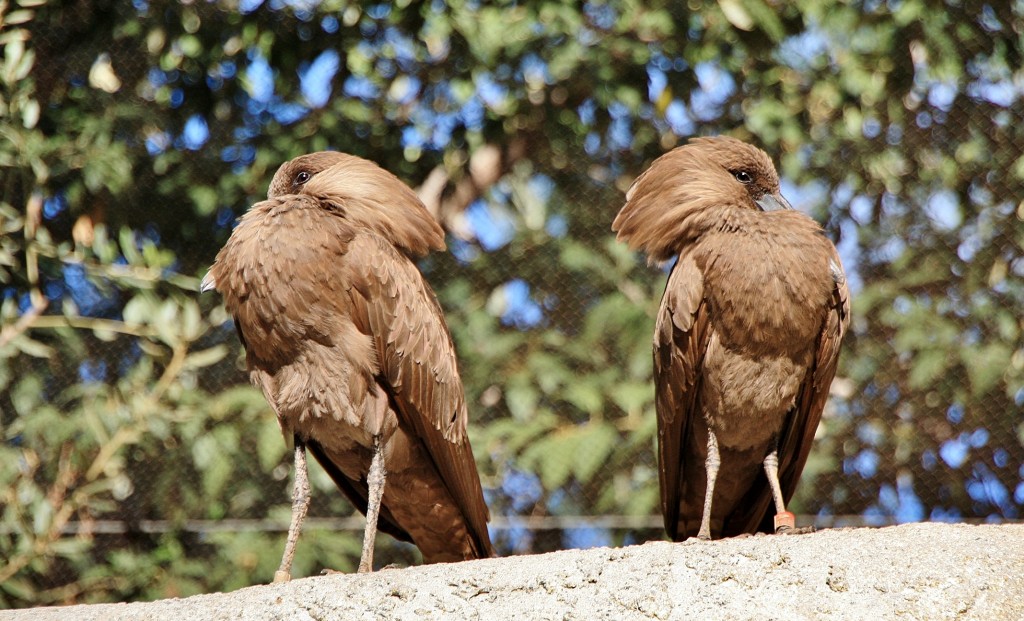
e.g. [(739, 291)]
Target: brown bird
[(351, 350), (747, 336)]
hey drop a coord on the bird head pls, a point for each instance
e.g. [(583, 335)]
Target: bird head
[(686, 192), (749, 166), (363, 193), (294, 174)]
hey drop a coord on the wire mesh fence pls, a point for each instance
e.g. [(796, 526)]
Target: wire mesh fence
[(138, 463)]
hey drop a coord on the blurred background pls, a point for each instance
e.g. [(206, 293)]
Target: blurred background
[(136, 462)]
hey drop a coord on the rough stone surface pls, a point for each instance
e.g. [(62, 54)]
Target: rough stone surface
[(914, 571)]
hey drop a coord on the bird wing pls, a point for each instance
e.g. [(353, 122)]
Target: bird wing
[(797, 434), (680, 341), (393, 304)]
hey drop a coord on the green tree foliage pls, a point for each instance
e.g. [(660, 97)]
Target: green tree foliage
[(131, 135)]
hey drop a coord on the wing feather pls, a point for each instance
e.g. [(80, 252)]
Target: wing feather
[(680, 341), (417, 359)]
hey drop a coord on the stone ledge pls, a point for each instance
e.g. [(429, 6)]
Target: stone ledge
[(913, 571)]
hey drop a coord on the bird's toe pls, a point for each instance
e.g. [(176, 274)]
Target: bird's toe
[(803, 530)]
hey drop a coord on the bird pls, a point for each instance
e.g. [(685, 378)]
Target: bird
[(350, 348), (746, 338)]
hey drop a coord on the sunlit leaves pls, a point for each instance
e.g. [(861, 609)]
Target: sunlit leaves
[(986, 365), (904, 115), (582, 450)]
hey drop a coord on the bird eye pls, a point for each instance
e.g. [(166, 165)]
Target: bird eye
[(302, 177), (742, 176)]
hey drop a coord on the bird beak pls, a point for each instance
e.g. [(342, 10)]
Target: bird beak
[(208, 284), (773, 202)]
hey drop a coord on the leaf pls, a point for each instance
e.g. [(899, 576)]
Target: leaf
[(167, 323), (128, 246), (766, 17), (585, 395), (514, 435), (595, 442), (42, 517), (204, 199), (986, 366), (19, 588), (70, 547), (243, 398), (521, 400), (736, 14), (270, 445), (927, 366), (30, 114), (549, 370), (547, 457), (633, 395), (206, 357), (191, 321), (33, 348), (27, 394), (204, 451)]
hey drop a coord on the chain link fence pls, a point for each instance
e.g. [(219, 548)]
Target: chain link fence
[(128, 426)]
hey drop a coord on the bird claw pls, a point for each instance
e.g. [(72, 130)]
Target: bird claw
[(281, 576), (785, 524), (803, 530), (329, 572)]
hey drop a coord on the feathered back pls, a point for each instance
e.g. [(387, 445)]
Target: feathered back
[(685, 191), (365, 194)]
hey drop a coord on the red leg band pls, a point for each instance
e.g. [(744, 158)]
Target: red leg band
[(784, 520)]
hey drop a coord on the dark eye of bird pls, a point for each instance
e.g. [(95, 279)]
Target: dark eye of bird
[(302, 177), (742, 176)]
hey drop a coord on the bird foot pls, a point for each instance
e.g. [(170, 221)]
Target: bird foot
[(331, 572), (784, 521), (281, 576), (785, 524), (803, 530)]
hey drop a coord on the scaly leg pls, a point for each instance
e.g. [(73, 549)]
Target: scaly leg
[(784, 520), (711, 465), (375, 482), (300, 504)]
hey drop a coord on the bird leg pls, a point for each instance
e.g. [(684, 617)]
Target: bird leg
[(375, 484), (711, 464), (300, 504), (784, 520)]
